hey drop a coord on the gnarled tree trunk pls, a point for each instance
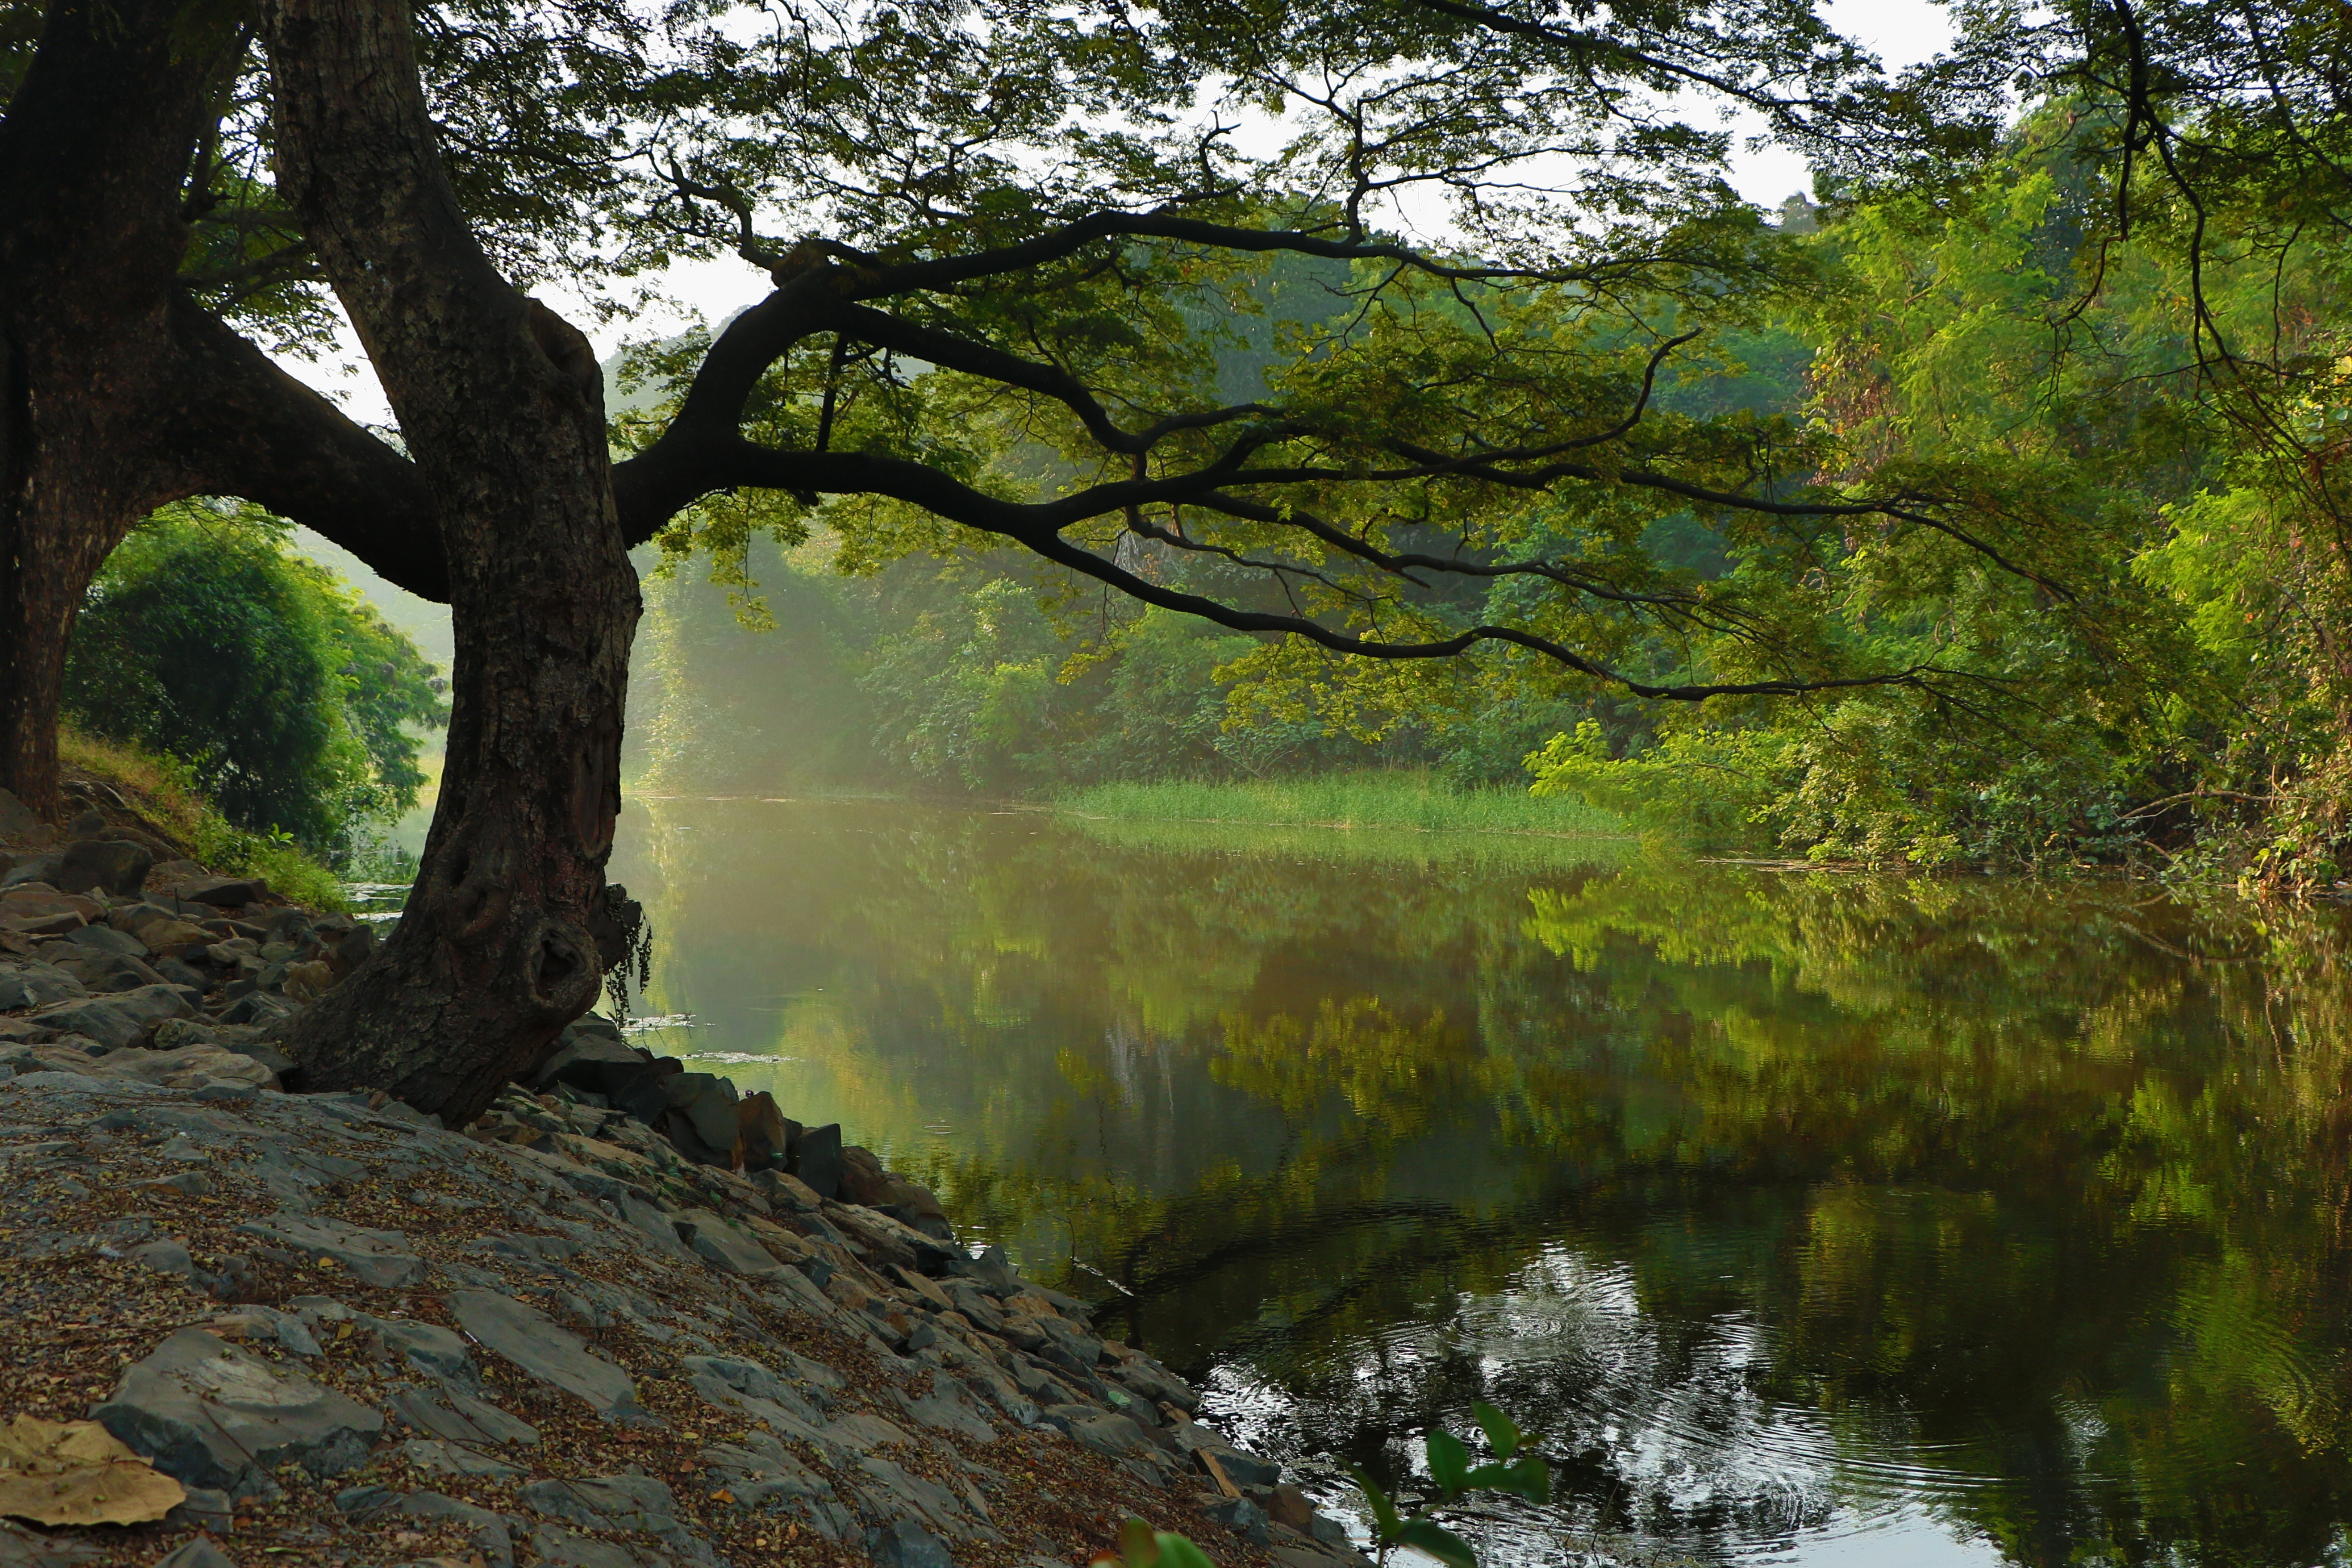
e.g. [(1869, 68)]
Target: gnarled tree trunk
[(91, 155), (502, 406), (117, 392)]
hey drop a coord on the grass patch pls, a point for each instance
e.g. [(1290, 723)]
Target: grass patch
[(1389, 817), (163, 791), (1388, 801)]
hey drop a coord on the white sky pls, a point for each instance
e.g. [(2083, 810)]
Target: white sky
[(1900, 32)]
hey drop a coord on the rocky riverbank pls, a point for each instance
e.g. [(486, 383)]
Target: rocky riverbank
[(627, 1318)]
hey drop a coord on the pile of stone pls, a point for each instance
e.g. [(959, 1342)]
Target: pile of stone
[(350, 1335), (111, 943), (630, 1316)]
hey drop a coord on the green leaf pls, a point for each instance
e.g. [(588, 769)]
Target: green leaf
[(1527, 1477), (1138, 1544), (1178, 1551), (1449, 1461), (1383, 1511), (1440, 1542), (1502, 1432)]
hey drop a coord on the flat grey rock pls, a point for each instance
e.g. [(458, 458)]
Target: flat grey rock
[(119, 1019), (106, 939), (638, 1503), (377, 1257), (946, 1409), (458, 1418), (560, 1548), (32, 983), (547, 1351), (435, 1456), (197, 1553), (903, 1543), (208, 1413), (760, 1474), (427, 1347), (746, 1388), (716, 1242), (656, 1228)]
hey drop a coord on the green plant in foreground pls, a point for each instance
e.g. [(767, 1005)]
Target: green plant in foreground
[(1515, 1469)]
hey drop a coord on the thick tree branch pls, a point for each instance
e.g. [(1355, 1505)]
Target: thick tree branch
[(244, 428)]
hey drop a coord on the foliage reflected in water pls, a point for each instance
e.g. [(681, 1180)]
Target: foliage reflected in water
[(1788, 1206)]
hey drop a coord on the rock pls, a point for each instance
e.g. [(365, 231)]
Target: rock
[(1244, 1469), (1113, 1436), (209, 1413), (197, 1553), (457, 1416), (257, 1007), (89, 825), (617, 1502), (789, 1191), (487, 1532), (745, 1387), (903, 1543), (163, 932), (221, 893), (546, 1350), (558, 1548), (762, 1131), (759, 1472), (26, 1548), (16, 819), (454, 1458), (700, 1119), (917, 1207), (308, 982), (378, 1257), (112, 866), (351, 949), (29, 982), (863, 1180), (591, 1055), (716, 1241), (817, 1160), (102, 972), (1243, 1517), (1287, 1506), (106, 939), (652, 1223), (427, 1347), (995, 1273), (205, 1509), (40, 868), (116, 1021)]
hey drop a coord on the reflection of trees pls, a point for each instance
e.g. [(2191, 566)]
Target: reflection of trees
[(2044, 1185)]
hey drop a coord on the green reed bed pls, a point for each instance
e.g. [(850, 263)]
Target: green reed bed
[(1378, 804)]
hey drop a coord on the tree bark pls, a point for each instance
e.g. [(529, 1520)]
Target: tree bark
[(502, 409), (117, 393), (92, 154)]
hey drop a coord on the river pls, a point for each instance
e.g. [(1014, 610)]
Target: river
[(1812, 1219)]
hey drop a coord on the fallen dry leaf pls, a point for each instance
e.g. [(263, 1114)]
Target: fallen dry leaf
[(76, 1472)]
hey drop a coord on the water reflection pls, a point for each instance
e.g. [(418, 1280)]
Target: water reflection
[(1815, 1220)]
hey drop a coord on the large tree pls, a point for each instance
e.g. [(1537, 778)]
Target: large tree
[(1003, 246)]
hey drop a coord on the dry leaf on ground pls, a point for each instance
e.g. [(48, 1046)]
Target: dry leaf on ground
[(76, 1472)]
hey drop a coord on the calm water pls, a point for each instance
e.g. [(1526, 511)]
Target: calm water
[(1814, 1220)]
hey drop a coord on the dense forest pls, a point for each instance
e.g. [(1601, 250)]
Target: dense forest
[(2189, 712)]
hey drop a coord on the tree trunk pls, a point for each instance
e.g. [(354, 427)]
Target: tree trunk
[(92, 152), (117, 393), (501, 406)]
